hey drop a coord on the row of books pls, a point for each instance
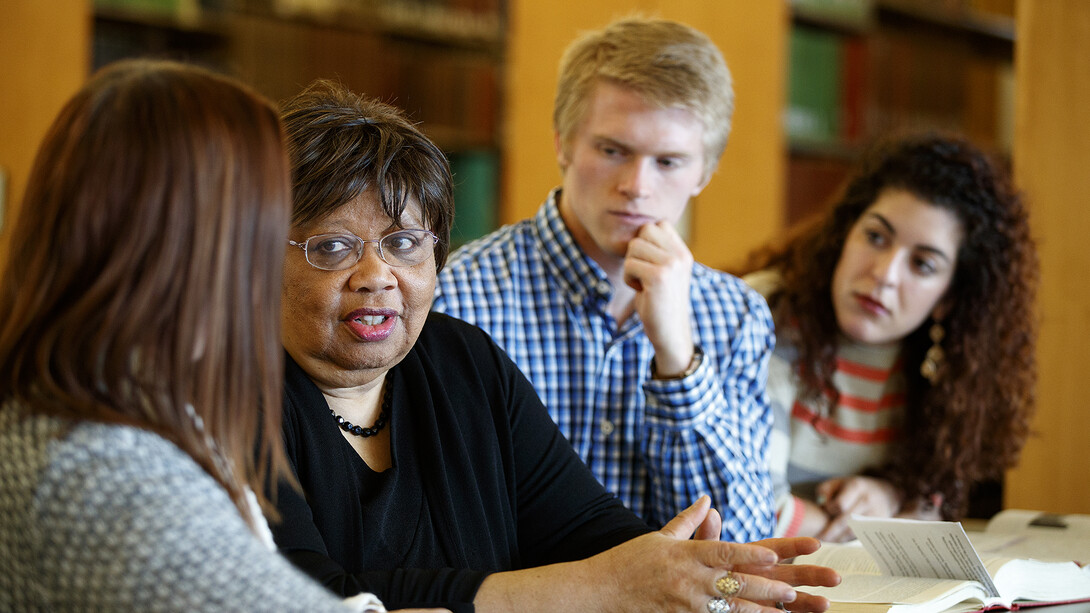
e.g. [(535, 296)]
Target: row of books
[(843, 88)]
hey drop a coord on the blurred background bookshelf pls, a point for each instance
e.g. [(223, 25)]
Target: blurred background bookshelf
[(439, 60), (46, 49), (859, 69)]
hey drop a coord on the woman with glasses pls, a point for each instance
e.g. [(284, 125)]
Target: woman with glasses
[(431, 474)]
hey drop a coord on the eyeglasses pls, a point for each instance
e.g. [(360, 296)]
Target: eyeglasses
[(341, 251)]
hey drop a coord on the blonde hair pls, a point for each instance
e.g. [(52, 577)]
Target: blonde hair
[(669, 64)]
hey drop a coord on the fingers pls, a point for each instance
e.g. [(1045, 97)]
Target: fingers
[(711, 528), (787, 548), (826, 491), (655, 250), (797, 575), (762, 590), (685, 523), (750, 590), (837, 530), (808, 602)]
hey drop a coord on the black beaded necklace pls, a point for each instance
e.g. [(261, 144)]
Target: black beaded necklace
[(379, 424)]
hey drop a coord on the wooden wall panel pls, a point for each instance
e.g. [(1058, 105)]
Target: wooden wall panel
[(44, 58), (1051, 155)]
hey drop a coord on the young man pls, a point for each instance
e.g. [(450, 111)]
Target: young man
[(653, 366)]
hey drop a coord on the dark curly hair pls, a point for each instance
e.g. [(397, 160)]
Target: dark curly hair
[(971, 424)]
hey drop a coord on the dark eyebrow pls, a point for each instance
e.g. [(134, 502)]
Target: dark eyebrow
[(889, 228)]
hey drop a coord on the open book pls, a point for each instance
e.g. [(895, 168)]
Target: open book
[(908, 566)]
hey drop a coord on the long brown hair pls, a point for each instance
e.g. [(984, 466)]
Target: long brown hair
[(145, 268), (970, 425)]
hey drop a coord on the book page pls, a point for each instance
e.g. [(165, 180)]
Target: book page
[(901, 590), (845, 558), (912, 548)]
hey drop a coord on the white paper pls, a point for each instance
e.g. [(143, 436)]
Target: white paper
[(913, 548)]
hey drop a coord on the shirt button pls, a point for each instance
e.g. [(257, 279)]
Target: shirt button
[(607, 427), (603, 287)]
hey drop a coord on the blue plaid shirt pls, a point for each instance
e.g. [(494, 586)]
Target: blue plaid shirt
[(657, 444)]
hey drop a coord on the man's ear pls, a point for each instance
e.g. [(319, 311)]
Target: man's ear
[(561, 155), (704, 181)]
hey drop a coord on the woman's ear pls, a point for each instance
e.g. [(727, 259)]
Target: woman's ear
[(942, 309)]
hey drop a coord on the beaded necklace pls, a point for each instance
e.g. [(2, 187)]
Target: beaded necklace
[(379, 424)]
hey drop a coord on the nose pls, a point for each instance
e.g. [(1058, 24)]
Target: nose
[(636, 179), (371, 273), (887, 267)]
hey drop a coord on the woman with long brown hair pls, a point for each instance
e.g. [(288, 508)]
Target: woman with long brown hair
[(140, 360), (904, 370)]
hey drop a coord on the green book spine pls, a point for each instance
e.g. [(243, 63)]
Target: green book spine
[(813, 113)]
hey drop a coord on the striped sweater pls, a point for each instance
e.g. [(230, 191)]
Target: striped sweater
[(815, 440)]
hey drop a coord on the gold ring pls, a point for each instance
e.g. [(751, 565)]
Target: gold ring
[(728, 586)]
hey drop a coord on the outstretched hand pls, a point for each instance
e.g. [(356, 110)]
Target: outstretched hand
[(797, 574), (668, 571)]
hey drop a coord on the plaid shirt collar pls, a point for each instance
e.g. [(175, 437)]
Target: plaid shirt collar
[(578, 275)]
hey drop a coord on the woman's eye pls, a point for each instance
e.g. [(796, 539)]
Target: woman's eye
[(402, 242), (332, 246), (874, 237), (926, 267)]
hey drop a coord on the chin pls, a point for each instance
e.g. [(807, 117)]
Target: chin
[(861, 332), (870, 337)]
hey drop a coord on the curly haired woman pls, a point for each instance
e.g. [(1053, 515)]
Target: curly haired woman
[(904, 369)]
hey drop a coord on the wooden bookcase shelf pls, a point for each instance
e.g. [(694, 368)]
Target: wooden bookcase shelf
[(440, 60), (861, 69)]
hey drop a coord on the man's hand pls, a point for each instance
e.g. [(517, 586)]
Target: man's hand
[(659, 266)]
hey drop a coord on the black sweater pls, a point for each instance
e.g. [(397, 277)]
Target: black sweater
[(482, 481)]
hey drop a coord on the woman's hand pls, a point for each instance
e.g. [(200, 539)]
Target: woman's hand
[(923, 508), (664, 571), (842, 497), (814, 518), (801, 574)]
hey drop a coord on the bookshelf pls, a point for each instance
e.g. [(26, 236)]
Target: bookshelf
[(859, 69), (439, 60)]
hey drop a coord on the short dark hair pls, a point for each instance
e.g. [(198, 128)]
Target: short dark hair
[(342, 144)]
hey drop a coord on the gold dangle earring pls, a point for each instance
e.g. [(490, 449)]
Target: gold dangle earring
[(935, 360)]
